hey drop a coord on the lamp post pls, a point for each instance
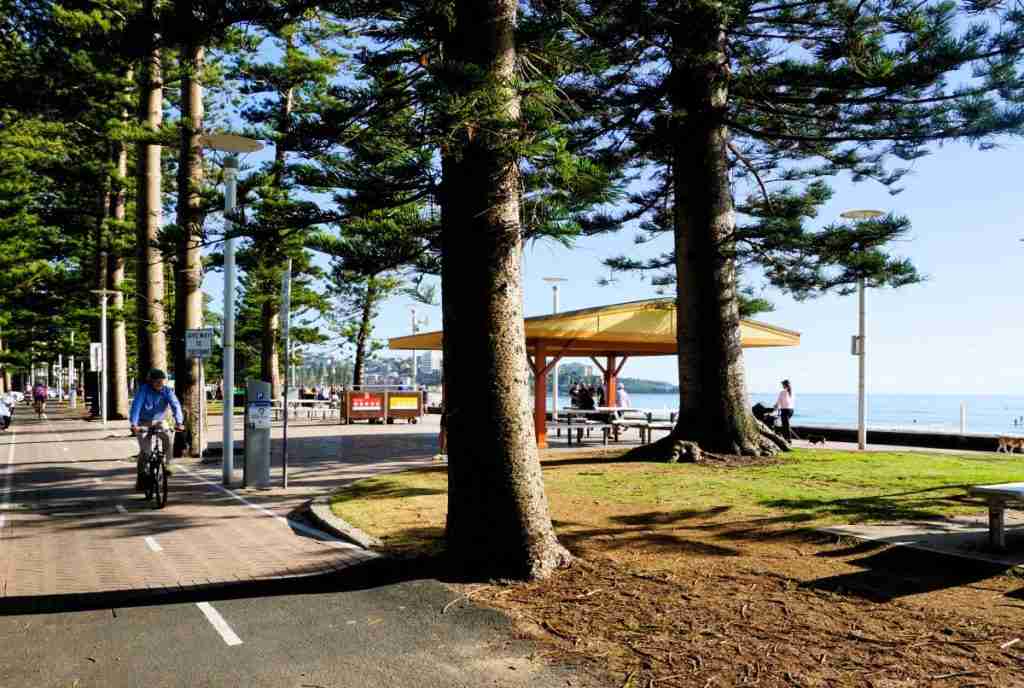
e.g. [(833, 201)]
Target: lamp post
[(232, 144), (554, 282), (104, 393), (860, 345)]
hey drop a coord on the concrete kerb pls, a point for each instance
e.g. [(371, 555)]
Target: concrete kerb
[(319, 511)]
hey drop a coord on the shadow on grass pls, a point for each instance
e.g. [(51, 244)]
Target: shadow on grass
[(382, 488), (916, 505), (899, 572)]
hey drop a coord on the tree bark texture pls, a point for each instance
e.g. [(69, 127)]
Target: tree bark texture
[(498, 518), (117, 341), (713, 406), (188, 279), (149, 267), (364, 334), (270, 369)]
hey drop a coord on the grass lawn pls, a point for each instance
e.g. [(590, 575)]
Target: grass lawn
[(810, 487), (703, 575)]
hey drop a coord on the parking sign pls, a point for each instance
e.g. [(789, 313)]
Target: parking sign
[(199, 343)]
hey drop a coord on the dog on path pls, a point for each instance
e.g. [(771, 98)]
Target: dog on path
[(816, 439), (1010, 444)]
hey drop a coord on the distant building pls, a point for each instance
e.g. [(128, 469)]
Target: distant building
[(430, 361)]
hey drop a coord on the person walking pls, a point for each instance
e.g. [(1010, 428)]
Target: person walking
[(785, 404)]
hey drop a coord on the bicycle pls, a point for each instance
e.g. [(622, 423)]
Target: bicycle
[(154, 470)]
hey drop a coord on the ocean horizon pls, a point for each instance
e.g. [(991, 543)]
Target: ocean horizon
[(986, 414)]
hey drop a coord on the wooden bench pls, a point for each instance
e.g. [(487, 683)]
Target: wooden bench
[(998, 496), (579, 428)]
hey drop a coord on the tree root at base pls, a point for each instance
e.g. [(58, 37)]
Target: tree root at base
[(676, 448)]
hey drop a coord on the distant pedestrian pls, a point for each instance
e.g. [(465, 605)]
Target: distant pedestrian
[(786, 403)]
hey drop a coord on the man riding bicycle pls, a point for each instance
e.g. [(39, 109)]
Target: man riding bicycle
[(39, 396), (149, 406)]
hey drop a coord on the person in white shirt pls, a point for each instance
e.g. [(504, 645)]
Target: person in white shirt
[(785, 404)]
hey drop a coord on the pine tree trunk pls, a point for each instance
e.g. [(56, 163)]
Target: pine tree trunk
[(364, 333), (5, 377), (713, 402), (117, 342), (188, 306), (149, 268), (498, 519), (270, 369)]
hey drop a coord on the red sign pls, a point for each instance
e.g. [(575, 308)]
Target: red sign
[(367, 402)]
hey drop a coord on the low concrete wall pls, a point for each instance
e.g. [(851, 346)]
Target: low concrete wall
[(904, 438)]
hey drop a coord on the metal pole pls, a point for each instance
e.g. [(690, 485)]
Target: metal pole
[(286, 323), (862, 431), (554, 391), (72, 391), (103, 357), (230, 174), (60, 378), (413, 311)]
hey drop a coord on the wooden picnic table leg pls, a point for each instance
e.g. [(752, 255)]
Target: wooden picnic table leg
[(997, 525)]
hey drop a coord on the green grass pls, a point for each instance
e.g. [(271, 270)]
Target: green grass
[(823, 487), (828, 486)]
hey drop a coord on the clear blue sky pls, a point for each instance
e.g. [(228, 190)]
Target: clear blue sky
[(960, 332)]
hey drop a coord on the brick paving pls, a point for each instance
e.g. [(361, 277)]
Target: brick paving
[(62, 532)]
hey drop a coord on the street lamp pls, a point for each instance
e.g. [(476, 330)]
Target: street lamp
[(859, 342), (554, 282), (233, 145), (103, 294), (415, 328)]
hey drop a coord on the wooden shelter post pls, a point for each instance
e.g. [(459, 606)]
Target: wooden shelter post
[(540, 395), (609, 382)]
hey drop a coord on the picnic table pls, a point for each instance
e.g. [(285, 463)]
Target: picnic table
[(998, 496), (578, 420)]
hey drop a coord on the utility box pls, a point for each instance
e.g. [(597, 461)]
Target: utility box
[(258, 413)]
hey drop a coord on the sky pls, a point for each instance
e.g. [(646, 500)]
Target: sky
[(959, 332)]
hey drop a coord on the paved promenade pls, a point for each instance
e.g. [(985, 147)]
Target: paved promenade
[(223, 587)]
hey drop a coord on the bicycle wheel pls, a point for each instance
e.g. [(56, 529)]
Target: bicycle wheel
[(147, 478), (160, 485)]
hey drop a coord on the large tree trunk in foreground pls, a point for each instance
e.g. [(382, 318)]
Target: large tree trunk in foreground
[(149, 267), (188, 305), (498, 519), (713, 406), (117, 344)]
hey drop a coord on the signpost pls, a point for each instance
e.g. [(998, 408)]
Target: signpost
[(95, 357), (199, 345)]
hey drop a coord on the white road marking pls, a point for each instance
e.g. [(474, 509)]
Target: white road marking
[(9, 479), (308, 530), (97, 481), (218, 622), (121, 509), (153, 544)]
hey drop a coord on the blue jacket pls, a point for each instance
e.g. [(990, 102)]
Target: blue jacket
[(149, 405)]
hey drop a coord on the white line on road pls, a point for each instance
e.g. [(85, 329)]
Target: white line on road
[(120, 509), (9, 479), (97, 481), (330, 539), (218, 622), (153, 544)]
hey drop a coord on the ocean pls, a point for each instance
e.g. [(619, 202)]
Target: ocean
[(988, 414)]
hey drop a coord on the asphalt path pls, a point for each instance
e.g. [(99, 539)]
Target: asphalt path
[(370, 623)]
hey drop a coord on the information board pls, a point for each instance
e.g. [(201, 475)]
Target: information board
[(260, 413)]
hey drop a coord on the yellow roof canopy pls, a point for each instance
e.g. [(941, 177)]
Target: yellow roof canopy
[(636, 328)]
